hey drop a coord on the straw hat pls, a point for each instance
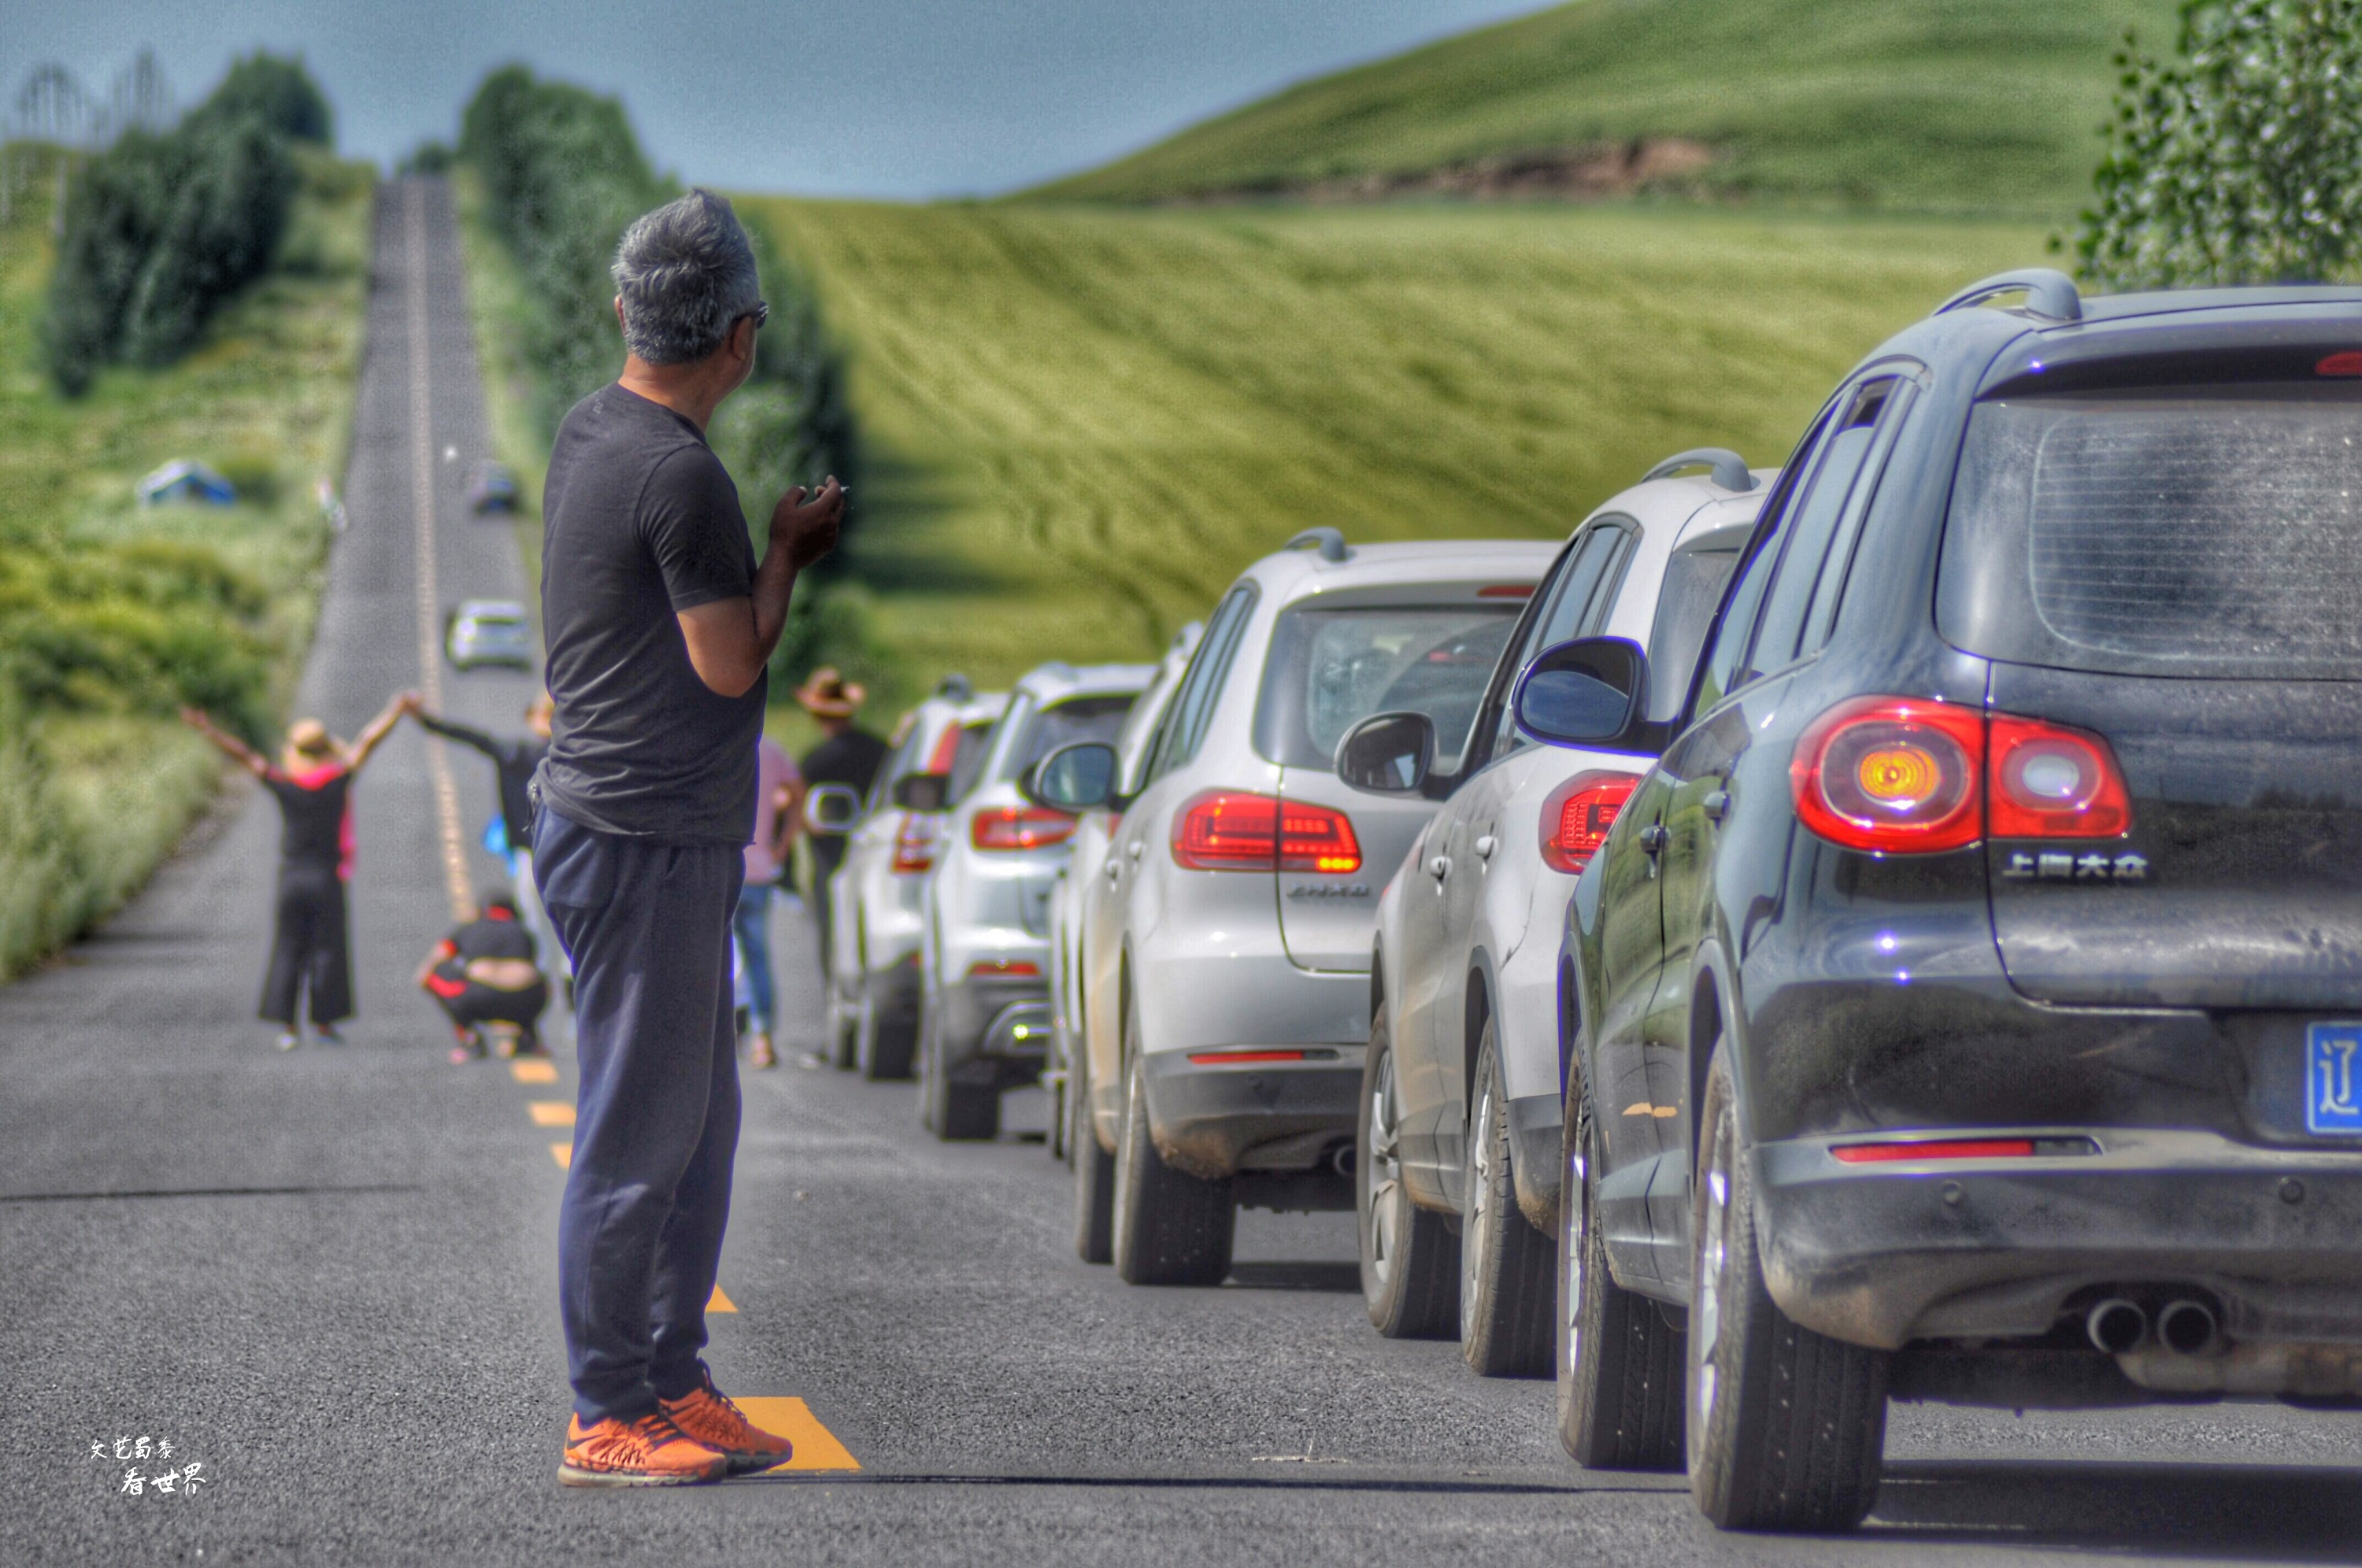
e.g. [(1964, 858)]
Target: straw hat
[(310, 739), (826, 694)]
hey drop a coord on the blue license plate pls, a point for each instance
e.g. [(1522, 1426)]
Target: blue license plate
[(2333, 1078)]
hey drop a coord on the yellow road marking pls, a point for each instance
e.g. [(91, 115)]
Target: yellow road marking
[(564, 1154), (551, 1113), (1638, 1108), (816, 1446), (721, 1303), (533, 1070), (1660, 1112)]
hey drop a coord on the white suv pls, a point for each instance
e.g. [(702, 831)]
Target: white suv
[(985, 1014), (1458, 1161), (1248, 876)]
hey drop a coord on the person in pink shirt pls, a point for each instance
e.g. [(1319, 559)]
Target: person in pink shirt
[(779, 805)]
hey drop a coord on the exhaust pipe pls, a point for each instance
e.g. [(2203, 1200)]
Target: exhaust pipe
[(1341, 1159), (2118, 1326), (2187, 1328)]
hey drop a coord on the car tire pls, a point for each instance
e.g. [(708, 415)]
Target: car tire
[(1093, 1174), (955, 1113), (1410, 1260), (1506, 1265), (844, 1031), (1619, 1361), (882, 1048), (1786, 1428), (1168, 1227)]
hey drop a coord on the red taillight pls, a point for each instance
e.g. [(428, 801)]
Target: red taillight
[(1577, 815), (2048, 781), (1958, 1149), (1019, 827), (1004, 968), (1248, 1058), (1233, 830), (914, 843), (1893, 775), (2347, 362), (1506, 591), (1902, 775)]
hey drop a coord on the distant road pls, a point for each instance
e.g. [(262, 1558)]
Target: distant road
[(328, 1277)]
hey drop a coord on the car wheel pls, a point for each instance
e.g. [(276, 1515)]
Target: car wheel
[(844, 1029), (958, 1112), (1619, 1362), (1169, 1227), (1787, 1428), (882, 1047), (1505, 1267), (1411, 1262), (1093, 1174)]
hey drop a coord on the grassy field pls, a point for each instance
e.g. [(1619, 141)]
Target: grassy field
[(90, 800), (1988, 106), (1083, 422)]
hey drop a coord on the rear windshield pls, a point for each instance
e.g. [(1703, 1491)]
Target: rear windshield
[(2196, 531), (1687, 602), (1328, 669), (1082, 718), (967, 758)]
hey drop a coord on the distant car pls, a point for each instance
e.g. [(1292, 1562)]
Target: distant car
[(873, 967), (491, 487), (1248, 875), (1458, 1154), (985, 1012), (1081, 912), (489, 631)]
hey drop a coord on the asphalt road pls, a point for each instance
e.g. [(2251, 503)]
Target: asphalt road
[(328, 1277)]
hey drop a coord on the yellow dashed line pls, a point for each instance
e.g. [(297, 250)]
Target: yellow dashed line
[(564, 1154), (551, 1113), (534, 1070), (816, 1446), (720, 1303)]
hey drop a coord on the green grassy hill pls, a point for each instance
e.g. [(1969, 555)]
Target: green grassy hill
[(1954, 105), (1082, 423)]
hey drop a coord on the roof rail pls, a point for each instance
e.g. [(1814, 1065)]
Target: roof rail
[(957, 688), (2048, 293), (1729, 467), (1186, 637), (1330, 542)]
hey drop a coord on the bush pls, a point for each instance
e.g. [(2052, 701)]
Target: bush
[(2240, 160)]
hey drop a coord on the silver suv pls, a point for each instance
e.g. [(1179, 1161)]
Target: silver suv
[(875, 896), (1247, 876), (1458, 1139), (985, 959)]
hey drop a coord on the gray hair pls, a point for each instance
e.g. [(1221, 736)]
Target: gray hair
[(685, 273)]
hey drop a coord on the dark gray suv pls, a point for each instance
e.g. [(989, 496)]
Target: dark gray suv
[(1968, 1006)]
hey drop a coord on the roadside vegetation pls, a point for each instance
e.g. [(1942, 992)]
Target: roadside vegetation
[(112, 613), (1995, 107)]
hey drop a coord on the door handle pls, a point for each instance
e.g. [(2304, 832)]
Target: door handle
[(1439, 867), (1115, 870), (1484, 847), (1717, 805), (1654, 839), (1133, 848)]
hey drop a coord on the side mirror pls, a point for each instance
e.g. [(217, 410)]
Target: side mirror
[(1587, 693), (1387, 754), (831, 809), (1078, 777), (922, 791)]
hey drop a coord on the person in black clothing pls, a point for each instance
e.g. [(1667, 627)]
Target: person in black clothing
[(485, 972), (847, 755), (515, 758), (311, 781)]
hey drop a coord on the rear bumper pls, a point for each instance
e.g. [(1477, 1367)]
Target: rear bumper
[(994, 1027), (1883, 1254), (1213, 1119)]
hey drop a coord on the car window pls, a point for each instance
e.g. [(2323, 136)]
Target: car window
[(1328, 669), (1685, 603), (968, 757), (1733, 629), (1076, 719), (1833, 481), (1192, 709), (1577, 604), (898, 762), (1137, 739)]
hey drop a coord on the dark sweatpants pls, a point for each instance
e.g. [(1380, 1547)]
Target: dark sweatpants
[(309, 952), (639, 1231)]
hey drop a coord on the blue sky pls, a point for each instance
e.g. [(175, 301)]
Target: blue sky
[(904, 98)]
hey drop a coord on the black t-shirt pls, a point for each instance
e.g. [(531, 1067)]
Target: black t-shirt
[(850, 758), (490, 936), (314, 834), (640, 521)]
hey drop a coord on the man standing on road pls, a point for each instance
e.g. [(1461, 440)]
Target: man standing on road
[(847, 755), (659, 624)]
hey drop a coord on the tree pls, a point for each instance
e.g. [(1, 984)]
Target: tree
[(280, 94), (2239, 160)]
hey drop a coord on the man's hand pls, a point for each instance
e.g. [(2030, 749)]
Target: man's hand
[(807, 528)]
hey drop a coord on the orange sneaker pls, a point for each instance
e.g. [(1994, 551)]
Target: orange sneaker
[(706, 1414), (650, 1451)]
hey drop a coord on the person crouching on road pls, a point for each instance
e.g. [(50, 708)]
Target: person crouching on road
[(659, 624), (515, 758), (311, 950), (484, 972)]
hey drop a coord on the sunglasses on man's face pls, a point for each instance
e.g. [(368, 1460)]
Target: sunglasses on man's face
[(761, 313)]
